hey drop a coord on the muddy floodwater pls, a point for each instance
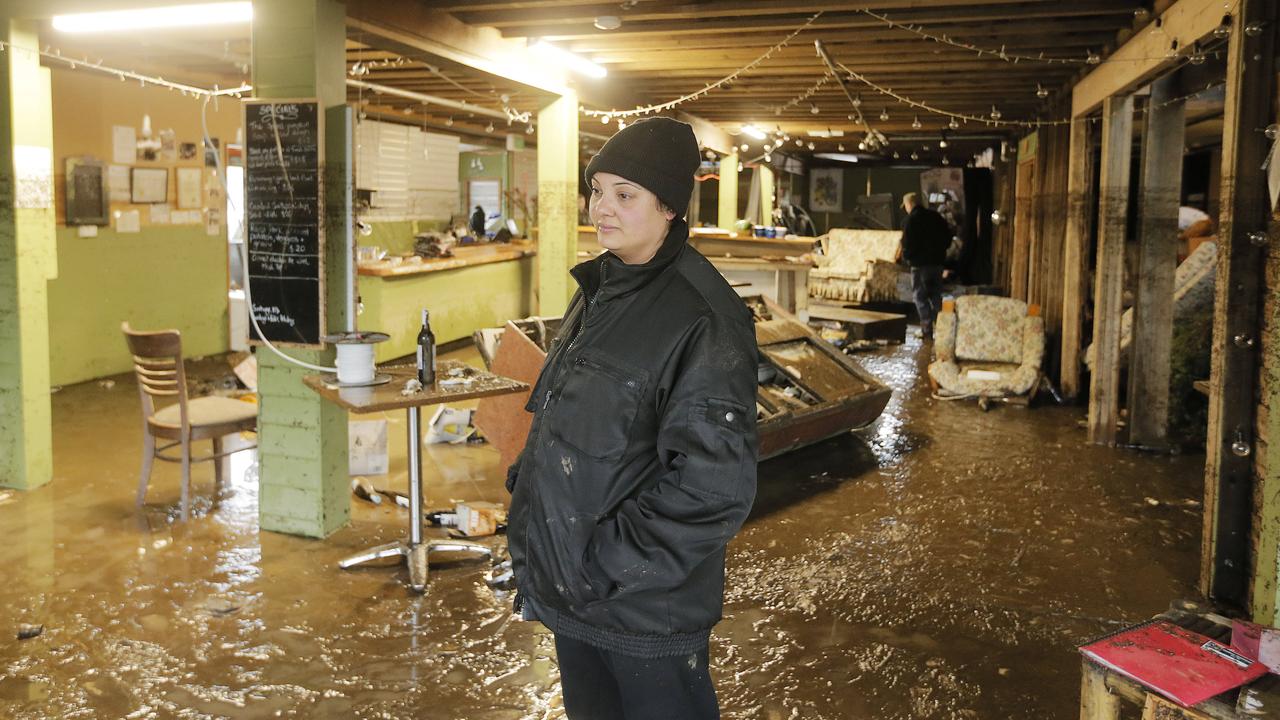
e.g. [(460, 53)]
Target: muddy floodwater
[(942, 563)]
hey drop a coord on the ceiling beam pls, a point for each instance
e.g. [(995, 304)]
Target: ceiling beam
[(1142, 58), (586, 13), (929, 17)]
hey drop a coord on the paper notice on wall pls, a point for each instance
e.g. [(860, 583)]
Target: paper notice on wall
[(128, 221), (33, 175), (118, 183), (86, 231), (168, 146), (124, 144), (213, 221), (189, 187), (185, 217), (160, 214)]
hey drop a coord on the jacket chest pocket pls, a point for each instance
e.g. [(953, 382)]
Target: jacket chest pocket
[(597, 405)]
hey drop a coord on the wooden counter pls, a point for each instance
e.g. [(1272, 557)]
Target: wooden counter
[(463, 256), (717, 242)]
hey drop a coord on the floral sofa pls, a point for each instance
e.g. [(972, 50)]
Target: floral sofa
[(857, 266), (987, 347)]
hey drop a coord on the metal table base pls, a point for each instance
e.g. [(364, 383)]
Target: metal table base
[(414, 549)]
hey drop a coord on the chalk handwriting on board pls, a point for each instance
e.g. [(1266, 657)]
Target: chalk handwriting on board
[(282, 218)]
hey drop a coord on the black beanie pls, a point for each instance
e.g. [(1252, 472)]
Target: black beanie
[(659, 153)]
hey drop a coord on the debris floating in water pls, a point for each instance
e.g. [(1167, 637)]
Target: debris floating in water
[(26, 632)]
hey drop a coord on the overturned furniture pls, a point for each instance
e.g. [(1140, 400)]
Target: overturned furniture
[(808, 391), (1193, 284), (987, 347), (858, 266)]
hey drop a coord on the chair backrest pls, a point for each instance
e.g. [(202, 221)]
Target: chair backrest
[(990, 328), (851, 250), (157, 363)]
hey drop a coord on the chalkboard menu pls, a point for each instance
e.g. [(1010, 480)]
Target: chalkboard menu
[(283, 233)]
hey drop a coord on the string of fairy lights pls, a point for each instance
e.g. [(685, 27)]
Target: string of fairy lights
[(362, 68), (873, 140), (1197, 54), (607, 116), (84, 63)]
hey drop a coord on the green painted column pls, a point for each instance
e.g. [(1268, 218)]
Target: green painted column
[(28, 258), (557, 203), (766, 195), (728, 206), (302, 440)]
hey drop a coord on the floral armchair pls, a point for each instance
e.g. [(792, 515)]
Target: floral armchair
[(987, 347)]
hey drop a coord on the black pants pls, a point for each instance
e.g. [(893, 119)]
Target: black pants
[(926, 290), (602, 685)]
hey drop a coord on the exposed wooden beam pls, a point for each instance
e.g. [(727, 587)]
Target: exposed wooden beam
[(1045, 32), (587, 12), (832, 21), (408, 26), (1227, 564), (1144, 56), (1113, 214), (1158, 201)]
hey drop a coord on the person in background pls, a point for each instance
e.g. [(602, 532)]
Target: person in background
[(640, 465), (477, 222), (925, 239)]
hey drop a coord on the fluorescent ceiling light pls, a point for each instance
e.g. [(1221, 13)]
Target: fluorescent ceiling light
[(754, 132), (223, 13), (839, 157), (574, 62), (828, 133)]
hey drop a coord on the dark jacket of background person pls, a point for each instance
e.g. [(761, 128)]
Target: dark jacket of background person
[(641, 461), (925, 238)]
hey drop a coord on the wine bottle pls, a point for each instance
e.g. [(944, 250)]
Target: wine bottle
[(426, 352)]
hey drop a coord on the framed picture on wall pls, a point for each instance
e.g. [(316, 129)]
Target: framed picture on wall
[(826, 190), (150, 185), (87, 194)]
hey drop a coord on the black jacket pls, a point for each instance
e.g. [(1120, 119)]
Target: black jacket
[(641, 461), (925, 238)]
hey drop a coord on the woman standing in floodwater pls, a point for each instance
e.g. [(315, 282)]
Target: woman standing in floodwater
[(641, 461)]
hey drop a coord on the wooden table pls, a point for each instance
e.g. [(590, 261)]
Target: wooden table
[(389, 396), (1102, 690), (790, 279)]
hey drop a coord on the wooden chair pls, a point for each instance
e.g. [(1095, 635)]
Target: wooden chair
[(157, 363)]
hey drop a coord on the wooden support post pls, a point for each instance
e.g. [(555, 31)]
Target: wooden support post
[(302, 438), (1023, 219), (557, 203), (28, 258), (1075, 255), (1158, 257), (1226, 558), (1113, 215), (1096, 701), (727, 203)]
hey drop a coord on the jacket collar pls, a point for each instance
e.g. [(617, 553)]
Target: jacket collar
[(621, 279)]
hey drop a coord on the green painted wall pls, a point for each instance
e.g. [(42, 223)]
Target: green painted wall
[(461, 301), (163, 277)]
